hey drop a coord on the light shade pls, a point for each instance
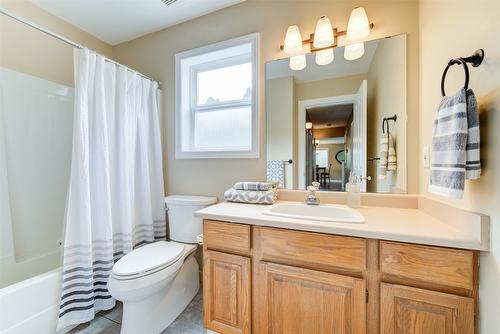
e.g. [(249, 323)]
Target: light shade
[(316, 141), (323, 35), (293, 40), (354, 51), (324, 57), (358, 26), (298, 63), (309, 125)]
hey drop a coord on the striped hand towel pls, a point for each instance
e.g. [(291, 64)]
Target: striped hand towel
[(472, 156), (449, 141), (258, 186), (388, 161)]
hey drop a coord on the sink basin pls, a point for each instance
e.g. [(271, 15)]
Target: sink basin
[(323, 212)]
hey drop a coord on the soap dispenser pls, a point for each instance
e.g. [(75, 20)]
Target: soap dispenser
[(353, 192)]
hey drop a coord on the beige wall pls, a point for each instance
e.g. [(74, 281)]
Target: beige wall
[(386, 98), (280, 124), (153, 54), (330, 87), (452, 29), (27, 50)]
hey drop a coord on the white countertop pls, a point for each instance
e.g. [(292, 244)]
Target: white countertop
[(397, 224)]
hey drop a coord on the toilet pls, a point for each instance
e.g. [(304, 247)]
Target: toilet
[(157, 281)]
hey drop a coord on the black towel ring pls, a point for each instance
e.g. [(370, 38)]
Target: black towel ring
[(476, 59), (457, 61)]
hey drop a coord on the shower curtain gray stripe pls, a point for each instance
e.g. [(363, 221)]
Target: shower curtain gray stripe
[(115, 195)]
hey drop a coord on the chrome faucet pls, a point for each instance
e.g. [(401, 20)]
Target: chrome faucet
[(311, 198)]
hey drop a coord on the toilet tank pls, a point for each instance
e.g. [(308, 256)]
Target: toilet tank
[(184, 226)]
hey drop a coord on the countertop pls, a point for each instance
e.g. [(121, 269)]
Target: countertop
[(385, 223)]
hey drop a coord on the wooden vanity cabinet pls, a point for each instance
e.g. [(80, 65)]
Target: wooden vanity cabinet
[(280, 281)]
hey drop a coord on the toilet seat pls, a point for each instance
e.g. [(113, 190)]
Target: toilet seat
[(148, 260)]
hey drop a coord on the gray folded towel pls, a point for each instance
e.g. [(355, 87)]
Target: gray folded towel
[(250, 196), (455, 145), (259, 186)]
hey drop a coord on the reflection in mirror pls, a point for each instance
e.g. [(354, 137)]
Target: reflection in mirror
[(341, 119)]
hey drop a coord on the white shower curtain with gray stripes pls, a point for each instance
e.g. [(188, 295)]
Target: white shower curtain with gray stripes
[(115, 196)]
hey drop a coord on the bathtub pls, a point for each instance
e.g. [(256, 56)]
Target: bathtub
[(31, 306)]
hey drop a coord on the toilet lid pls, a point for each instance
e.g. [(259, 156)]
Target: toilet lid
[(147, 258)]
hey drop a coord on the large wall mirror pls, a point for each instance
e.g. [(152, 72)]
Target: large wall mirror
[(328, 122)]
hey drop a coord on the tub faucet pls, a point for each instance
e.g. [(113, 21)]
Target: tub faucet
[(311, 198)]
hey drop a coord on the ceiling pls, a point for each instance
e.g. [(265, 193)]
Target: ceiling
[(313, 72), (330, 116), (117, 21)]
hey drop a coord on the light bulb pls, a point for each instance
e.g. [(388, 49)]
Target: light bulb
[(324, 57), (323, 35), (354, 51), (358, 26), (298, 63), (293, 40)]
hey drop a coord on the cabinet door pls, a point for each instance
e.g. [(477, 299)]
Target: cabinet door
[(416, 311), (296, 300), (226, 292)]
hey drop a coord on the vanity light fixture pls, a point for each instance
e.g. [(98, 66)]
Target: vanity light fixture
[(323, 35), (293, 47), (358, 26), (293, 40), (354, 51), (324, 57), (324, 40), (298, 63)]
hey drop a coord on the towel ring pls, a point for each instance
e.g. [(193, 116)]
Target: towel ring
[(456, 61)]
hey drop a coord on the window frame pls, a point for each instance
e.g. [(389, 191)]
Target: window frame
[(188, 109)]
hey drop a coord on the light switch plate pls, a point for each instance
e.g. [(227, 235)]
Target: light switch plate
[(426, 157)]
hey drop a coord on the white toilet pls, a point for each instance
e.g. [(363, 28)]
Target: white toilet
[(157, 281)]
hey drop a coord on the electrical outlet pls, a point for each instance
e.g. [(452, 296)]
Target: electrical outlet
[(426, 157)]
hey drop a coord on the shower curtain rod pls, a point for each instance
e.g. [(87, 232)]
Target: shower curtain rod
[(68, 41)]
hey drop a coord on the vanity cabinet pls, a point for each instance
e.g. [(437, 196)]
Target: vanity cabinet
[(296, 300), (410, 310), (226, 288), (272, 280)]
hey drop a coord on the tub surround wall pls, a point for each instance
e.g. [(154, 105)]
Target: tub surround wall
[(444, 35), (153, 54), (30, 51)]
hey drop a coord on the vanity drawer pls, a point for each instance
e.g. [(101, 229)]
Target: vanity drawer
[(309, 248), (443, 266), (228, 237)]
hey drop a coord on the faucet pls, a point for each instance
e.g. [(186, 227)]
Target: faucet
[(311, 198)]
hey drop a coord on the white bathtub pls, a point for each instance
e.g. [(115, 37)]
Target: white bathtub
[(31, 306)]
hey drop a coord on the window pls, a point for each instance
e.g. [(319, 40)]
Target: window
[(216, 100), (322, 157)]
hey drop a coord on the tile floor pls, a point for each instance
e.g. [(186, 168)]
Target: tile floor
[(108, 322)]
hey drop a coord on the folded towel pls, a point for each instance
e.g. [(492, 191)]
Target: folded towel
[(388, 161), (472, 154), (250, 196), (276, 172), (449, 142), (254, 185)]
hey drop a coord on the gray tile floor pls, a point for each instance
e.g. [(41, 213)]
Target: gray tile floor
[(108, 322)]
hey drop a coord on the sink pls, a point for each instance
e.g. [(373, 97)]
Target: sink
[(324, 212)]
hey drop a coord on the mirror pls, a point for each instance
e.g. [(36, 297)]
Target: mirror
[(341, 119)]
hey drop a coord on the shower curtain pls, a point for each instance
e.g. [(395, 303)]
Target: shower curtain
[(115, 196)]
